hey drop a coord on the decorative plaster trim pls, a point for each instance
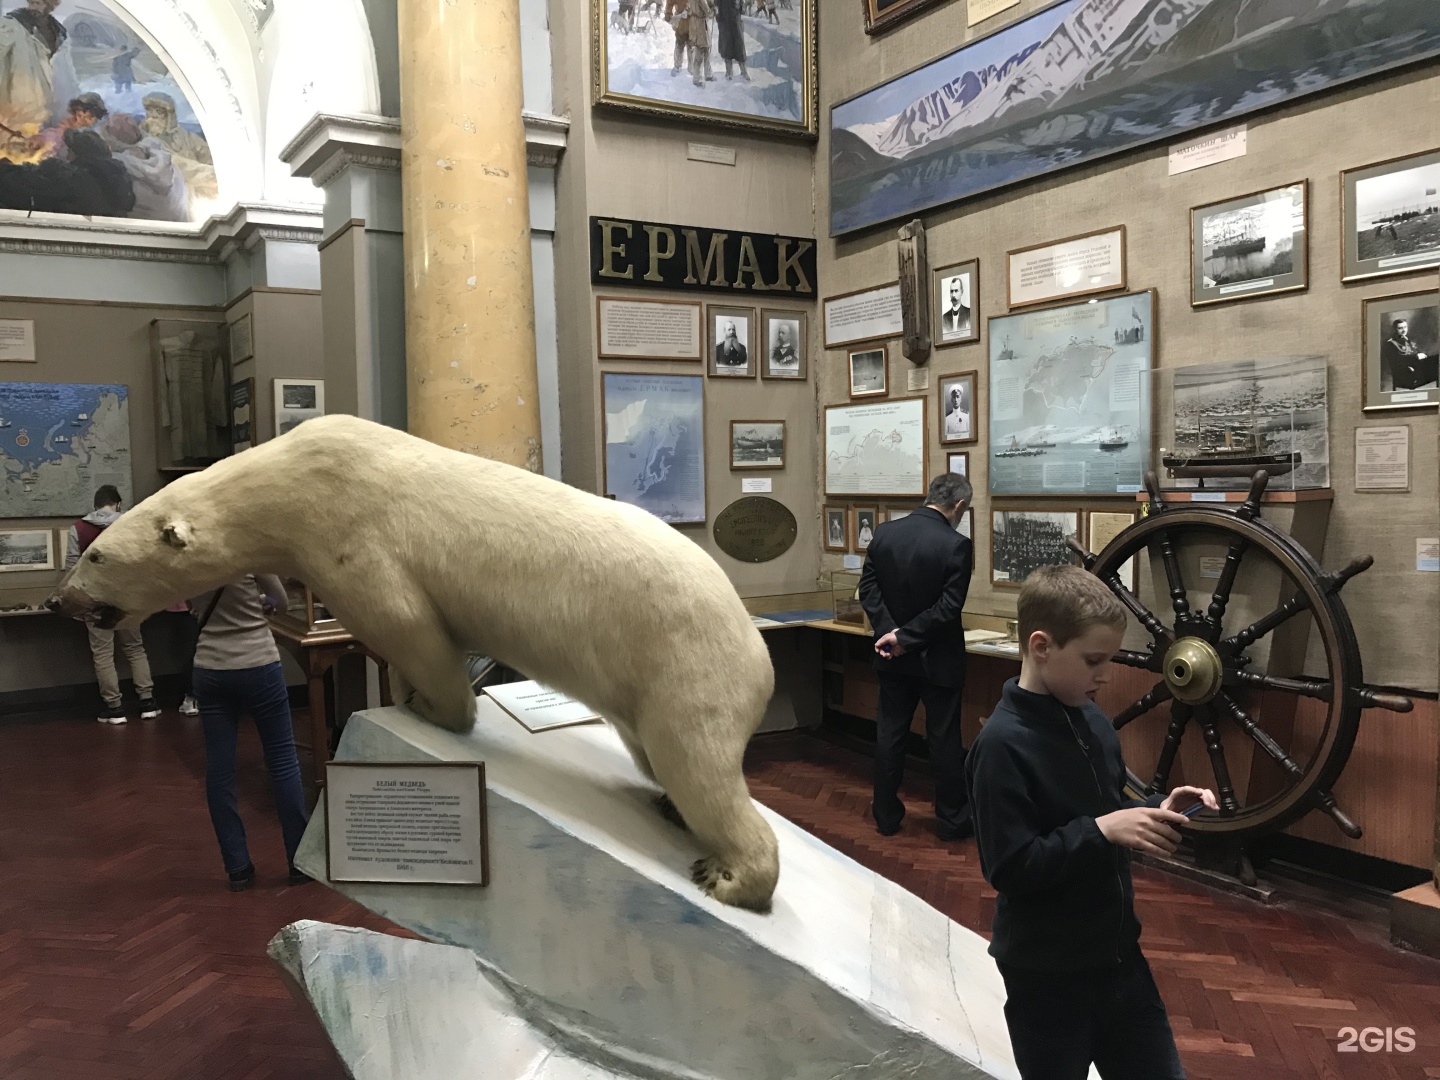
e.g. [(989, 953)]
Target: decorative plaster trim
[(545, 139), (341, 160)]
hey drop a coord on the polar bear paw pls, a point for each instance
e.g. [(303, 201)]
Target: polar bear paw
[(730, 885)]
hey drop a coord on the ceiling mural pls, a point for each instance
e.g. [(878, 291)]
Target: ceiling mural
[(91, 120)]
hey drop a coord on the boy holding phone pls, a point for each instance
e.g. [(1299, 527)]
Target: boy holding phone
[(1055, 831)]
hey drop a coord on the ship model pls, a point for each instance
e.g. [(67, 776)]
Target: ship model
[(1237, 454)]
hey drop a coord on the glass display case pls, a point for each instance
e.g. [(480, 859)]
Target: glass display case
[(845, 599), (304, 612)]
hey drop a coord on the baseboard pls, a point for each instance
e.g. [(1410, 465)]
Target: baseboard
[(80, 699), (1415, 919)]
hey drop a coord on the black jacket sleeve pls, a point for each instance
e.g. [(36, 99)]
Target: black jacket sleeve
[(948, 609), (870, 598), (1016, 857)]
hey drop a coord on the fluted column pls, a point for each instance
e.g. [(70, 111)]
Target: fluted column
[(470, 306)]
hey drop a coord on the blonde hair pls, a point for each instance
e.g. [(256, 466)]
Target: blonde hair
[(1065, 602)]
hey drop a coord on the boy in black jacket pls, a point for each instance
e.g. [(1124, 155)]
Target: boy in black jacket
[(1054, 826)]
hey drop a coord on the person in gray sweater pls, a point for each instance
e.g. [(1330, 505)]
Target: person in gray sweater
[(237, 672)]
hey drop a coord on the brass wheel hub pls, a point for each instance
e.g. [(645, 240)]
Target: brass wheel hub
[(1193, 670)]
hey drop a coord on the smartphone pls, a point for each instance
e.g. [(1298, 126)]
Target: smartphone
[(1194, 809)]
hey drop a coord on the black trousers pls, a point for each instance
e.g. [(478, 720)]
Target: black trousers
[(1114, 1017), (899, 694)]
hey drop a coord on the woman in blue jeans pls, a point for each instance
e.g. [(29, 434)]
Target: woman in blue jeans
[(237, 672)]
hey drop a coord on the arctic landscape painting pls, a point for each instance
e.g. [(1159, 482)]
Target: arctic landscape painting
[(1085, 79)]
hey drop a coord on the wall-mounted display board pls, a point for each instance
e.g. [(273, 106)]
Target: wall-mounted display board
[(877, 448), (1392, 217), (17, 340), (1064, 269), (722, 63), (1101, 527), (873, 314), (1080, 80), (1254, 245), (59, 442), (655, 443), (654, 255), (647, 329), (1070, 397)]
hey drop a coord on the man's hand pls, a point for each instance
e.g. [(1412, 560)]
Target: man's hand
[(1143, 828), (1182, 798), (889, 646)]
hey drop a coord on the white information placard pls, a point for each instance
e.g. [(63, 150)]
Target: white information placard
[(647, 329), (1427, 554), (757, 485), (414, 822), (868, 315), (1079, 266), (1218, 146), (17, 340), (1382, 458), (977, 11), (538, 707)]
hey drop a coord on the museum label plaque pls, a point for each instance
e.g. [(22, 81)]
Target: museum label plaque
[(755, 529), (417, 823), (652, 255)]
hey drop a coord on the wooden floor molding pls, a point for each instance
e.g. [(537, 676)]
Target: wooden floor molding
[(124, 957)]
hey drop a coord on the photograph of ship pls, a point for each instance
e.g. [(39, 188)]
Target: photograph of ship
[(1250, 246), (1392, 216), (1022, 541), (757, 444), (26, 550), (1085, 79), (1253, 414)]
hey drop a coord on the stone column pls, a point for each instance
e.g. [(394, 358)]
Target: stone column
[(470, 306)]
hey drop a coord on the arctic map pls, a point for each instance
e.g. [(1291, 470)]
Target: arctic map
[(876, 449), (654, 444), (58, 443)]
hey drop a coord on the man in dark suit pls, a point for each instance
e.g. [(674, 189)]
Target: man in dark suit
[(913, 587), (955, 320)]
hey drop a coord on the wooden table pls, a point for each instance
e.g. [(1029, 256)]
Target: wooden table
[(318, 652)]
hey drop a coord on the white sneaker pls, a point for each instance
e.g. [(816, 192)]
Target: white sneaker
[(112, 716), (189, 707), (148, 709)]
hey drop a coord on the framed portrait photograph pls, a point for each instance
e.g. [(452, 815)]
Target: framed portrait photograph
[(1101, 527), (1401, 345), (23, 550), (732, 63), (785, 344), (297, 400), (1254, 245), (1022, 541), (1391, 222), (757, 444), (835, 528), (956, 303), (957, 408), (866, 518), (1081, 265), (731, 336), (958, 463), (868, 372)]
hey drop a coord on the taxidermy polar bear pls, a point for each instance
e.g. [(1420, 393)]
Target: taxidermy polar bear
[(425, 554)]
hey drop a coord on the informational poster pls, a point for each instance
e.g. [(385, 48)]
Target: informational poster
[(17, 340), (1427, 554), (868, 315), (876, 449), (1382, 458), (418, 823), (648, 329), (655, 443), (1076, 267)]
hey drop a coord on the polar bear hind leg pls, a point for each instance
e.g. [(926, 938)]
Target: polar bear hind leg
[(632, 743)]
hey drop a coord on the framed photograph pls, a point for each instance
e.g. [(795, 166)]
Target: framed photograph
[(957, 408), (731, 341), (894, 154), (958, 463), (1070, 398), (866, 518), (297, 400), (881, 15), (757, 444), (647, 329), (895, 513), (786, 343), (740, 66), (1077, 266), (872, 314), (835, 528), (1022, 541), (956, 303), (242, 414), (1254, 245), (654, 437), (868, 372), (966, 525), (23, 550), (1402, 344), (877, 448), (1391, 217), (192, 382), (1102, 527)]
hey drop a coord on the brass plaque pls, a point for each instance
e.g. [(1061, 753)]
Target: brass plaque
[(755, 529)]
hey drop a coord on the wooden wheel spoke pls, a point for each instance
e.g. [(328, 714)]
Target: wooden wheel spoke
[(1158, 693), (1225, 787), (1158, 630), (1179, 599), (1215, 614), (1319, 689), (1131, 658), (1247, 724), (1238, 643), (1180, 714)]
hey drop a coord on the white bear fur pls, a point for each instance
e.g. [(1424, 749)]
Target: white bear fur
[(425, 554)]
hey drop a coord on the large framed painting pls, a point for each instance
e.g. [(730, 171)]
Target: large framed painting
[(1070, 397), (727, 62), (655, 443), (1392, 217), (1084, 79)]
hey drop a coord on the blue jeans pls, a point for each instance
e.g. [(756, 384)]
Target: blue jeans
[(224, 697)]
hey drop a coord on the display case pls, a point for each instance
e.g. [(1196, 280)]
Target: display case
[(845, 599), (304, 612)]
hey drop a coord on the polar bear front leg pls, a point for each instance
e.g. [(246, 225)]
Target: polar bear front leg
[(427, 669)]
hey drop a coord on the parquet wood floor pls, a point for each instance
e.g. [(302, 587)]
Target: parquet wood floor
[(124, 957)]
